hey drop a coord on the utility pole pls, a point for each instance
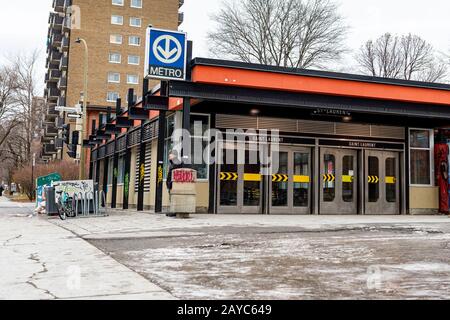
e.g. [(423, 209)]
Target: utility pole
[(82, 173)]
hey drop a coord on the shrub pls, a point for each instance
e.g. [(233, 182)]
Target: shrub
[(22, 176)]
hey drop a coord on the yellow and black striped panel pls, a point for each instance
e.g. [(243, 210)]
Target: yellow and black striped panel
[(280, 178), (228, 176), (252, 177), (373, 179), (347, 179), (329, 177), (256, 177), (302, 179), (391, 180)]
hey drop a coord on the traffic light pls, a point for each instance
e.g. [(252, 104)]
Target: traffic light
[(66, 133), (75, 138), (72, 147), (72, 151)]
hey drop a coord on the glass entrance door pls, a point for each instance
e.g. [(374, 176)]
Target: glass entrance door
[(338, 181), (239, 181), (243, 189), (290, 188), (382, 188)]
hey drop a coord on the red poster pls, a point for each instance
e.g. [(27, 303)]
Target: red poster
[(441, 151)]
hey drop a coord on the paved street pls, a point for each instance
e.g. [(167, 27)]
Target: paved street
[(40, 260), (147, 256), (281, 257)]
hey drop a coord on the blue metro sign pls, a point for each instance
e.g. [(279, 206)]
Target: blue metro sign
[(165, 54)]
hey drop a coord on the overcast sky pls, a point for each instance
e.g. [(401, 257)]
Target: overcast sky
[(23, 23)]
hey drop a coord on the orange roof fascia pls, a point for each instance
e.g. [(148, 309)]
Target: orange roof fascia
[(317, 85)]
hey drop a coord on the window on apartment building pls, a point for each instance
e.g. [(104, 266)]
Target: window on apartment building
[(134, 41), (118, 2), (114, 77), (136, 3), (132, 79), (116, 39), (421, 156), (112, 96), (135, 22), (135, 60), (115, 57), (115, 19)]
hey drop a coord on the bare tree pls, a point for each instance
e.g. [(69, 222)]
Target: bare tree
[(24, 68), (19, 112), (289, 33), (8, 88), (407, 57)]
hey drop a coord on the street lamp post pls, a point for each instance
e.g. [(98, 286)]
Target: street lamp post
[(82, 172), (33, 164)]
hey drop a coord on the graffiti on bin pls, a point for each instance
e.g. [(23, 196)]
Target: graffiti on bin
[(76, 187)]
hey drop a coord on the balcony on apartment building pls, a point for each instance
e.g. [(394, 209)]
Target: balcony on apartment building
[(64, 46), (61, 101), (55, 57), (50, 148), (67, 23), (59, 6), (56, 22), (49, 117), (50, 129), (62, 83), (55, 41), (180, 18), (59, 143), (52, 113), (44, 157), (64, 63), (59, 122), (45, 139), (52, 92), (52, 75)]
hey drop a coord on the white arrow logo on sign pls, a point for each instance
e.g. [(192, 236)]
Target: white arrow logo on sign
[(163, 53)]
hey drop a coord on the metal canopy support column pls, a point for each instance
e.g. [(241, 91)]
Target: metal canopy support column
[(142, 150), (407, 167), (115, 176), (315, 187), (160, 161), (126, 179), (160, 153), (213, 171), (97, 169), (187, 101), (127, 169), (115, 159), (186, 127), (91, 169), (105, 175), (141, 176)]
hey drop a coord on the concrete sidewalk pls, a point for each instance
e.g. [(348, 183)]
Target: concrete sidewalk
[(40, 260)]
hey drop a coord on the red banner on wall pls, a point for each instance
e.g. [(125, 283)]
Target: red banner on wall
[(441, 151)]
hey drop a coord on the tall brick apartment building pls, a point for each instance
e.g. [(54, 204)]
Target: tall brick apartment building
[(114, 31)]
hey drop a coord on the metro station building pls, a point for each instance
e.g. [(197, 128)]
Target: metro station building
[(349, 144)]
